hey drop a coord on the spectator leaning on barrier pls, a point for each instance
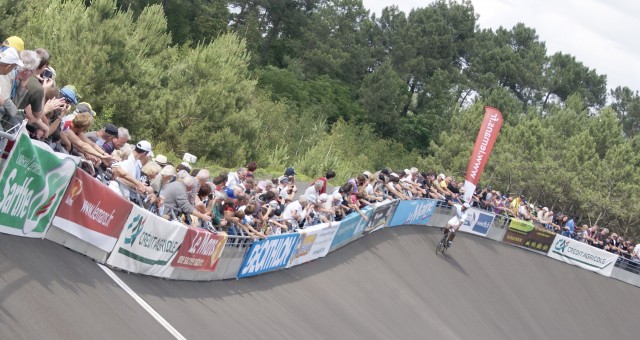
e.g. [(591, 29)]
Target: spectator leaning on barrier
[(117, 143), (176, 201), (104, 135), (569, 227), (129, 171)]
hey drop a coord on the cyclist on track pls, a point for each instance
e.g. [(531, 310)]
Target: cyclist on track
[(456, 221)]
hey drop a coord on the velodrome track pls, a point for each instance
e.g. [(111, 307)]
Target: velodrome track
[(387, 285)]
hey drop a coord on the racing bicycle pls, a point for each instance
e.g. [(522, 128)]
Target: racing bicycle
[(444, 242)]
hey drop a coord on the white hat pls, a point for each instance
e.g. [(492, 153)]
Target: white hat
[(466, 205), (323, 197), (367, 173), (144, 146), (407, 172), (442, 175), (185, 164), (393, 174), (545, 209), (161, 159), (10, 57), (168, 170), (337, 196)]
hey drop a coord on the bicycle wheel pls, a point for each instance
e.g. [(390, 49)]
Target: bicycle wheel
[(439, 247), (445, 243), (442, 245)]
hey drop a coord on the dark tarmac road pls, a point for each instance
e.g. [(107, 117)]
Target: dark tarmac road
[(388, 285)]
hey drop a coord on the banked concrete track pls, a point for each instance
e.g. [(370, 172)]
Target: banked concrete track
[(388, 285)]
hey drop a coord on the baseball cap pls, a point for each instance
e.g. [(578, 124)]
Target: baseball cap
[(283, 179), (289, 172), (111, 129), (15, 42), (85, 107), (367, 174), (466, 205), (144, 146), (69, 93), (10, 57)]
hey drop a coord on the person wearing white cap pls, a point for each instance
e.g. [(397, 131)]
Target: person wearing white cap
[(129, 171), (9, 60), (458, 220)]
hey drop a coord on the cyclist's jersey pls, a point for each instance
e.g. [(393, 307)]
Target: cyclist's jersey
[(460, 216)]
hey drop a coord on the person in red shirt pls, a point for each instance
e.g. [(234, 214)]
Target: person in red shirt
[(330, 174)]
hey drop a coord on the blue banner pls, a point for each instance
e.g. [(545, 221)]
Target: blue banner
[(350, 229), (416, 212), (478, 222), (270, 254)]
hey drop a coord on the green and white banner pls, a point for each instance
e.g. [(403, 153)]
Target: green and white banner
[(148, 244), (582, 255), (32, 185)]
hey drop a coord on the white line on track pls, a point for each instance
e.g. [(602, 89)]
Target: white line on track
[(143, 303)]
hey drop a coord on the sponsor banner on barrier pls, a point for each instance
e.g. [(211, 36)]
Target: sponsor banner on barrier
[(582, 255), (147, 244), (478, 222), (200, 250), (381, 216), (350, 228), (417, 212), (314, 242), (92, 212), (32, 185), (524, 234), (271, 253)]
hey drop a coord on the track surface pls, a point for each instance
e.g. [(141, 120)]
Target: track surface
[(389, 284)]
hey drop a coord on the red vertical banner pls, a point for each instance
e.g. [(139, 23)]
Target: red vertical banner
[(487, 136)]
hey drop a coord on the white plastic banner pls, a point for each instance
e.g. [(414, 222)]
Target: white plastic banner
[(147, 244), (478, 222), (582, 255), (314, 242)]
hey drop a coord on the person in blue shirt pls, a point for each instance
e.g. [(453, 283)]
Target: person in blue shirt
[(569, 227)]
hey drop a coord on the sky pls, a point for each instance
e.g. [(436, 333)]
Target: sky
[(600, 34)]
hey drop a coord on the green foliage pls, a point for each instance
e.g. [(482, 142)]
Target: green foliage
[(322, 85)]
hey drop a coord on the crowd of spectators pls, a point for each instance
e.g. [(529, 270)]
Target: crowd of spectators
[(235, 202), (516, 206)]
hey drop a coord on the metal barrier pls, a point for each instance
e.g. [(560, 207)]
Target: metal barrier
[(9, 135)]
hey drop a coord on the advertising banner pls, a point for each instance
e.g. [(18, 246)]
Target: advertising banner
[(148, 244), (200, 250), (417, 212), (478, 222), (271, 253), (350, 228), (92, 212), (314, 242), (32, 185), (524, 234), (382, 213), (582, 255), (485, 140)]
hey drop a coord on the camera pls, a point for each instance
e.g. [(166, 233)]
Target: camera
[(47, 74)]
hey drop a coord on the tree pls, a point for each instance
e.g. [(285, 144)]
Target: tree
[(626, 105), (563, 76)]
